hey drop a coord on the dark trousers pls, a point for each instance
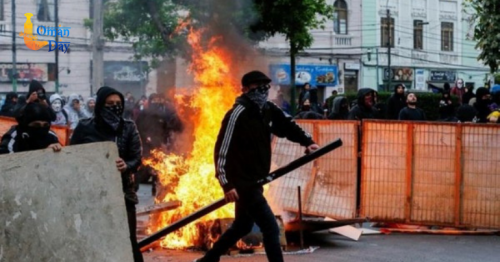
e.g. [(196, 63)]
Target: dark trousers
[(251, 207), (132, 227)]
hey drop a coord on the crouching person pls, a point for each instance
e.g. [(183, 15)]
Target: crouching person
[(108, 124), (32, 132)]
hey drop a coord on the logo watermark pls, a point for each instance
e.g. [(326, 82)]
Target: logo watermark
[(31, 39)]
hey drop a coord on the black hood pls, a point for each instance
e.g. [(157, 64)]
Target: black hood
[(481, 92), (361, 95), (34, 87), (396, 90), (9, 96), (34, 112), (102, 94), (337, 102)]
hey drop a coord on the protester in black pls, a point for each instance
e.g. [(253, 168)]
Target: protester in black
[(31, 133), (364, 108), (411, 112), (340, 109), (108, 124), (446, 108), (396, 102), (9, 105), (243, 156), (483, 101)]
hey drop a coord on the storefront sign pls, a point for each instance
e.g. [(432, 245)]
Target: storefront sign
[(316, 75), (443, 76), (124, 71), (25, 72), (399, 74)]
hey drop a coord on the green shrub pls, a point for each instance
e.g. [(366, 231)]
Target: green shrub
[(429, 102)]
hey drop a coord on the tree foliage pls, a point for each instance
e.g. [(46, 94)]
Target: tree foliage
[(487, 30), (150, 24)]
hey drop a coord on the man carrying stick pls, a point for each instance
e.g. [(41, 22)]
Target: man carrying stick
[(243, 157)]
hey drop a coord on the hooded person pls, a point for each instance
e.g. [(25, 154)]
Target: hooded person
[(32, 132), (9, 106), (307, 112), (56, 103), (108, 124), (74, 110), (446, 107), (89, 108), (466, 113), (482, 104), (36, 94), (396, 102), (468, 95), (340, 109), (459, 89), (364, 108)]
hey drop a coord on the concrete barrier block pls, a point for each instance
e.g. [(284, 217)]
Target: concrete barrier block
[(65, 206)]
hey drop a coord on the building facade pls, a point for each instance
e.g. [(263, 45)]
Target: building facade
[(120, 71), (431, 43), (333, 62)]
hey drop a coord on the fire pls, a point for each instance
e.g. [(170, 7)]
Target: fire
[(191, 178)]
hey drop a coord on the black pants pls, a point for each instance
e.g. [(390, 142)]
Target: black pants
[(132, 227), (251, 207)]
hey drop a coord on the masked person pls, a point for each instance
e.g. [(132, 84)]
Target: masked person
[(36, 94), (482, 104), (88, 110), (74, 110), (243, 156), (31, 133), (9, 105), (459, 89), (108, 124), (340, 109), (56, 103), (365, 107)]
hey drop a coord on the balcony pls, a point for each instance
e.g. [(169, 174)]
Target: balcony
[(342, 40), (448, 58)]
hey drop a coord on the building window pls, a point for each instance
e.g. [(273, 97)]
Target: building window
[(1, 10), (418, 34), (446, 36), (340, 17), (45, 10), (386, 32)]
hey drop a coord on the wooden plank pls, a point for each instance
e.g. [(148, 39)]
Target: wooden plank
[(158, 208)]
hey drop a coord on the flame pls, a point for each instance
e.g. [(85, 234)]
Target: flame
[(191, 178)]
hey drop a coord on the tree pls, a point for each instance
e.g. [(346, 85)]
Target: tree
[(487, 30), (294, 19)]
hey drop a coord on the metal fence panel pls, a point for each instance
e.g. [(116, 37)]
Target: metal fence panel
[(333, 191), (433, 183), (481, 176), (384, 170)]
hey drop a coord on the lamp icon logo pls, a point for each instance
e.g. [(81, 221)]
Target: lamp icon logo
[(31, 39)]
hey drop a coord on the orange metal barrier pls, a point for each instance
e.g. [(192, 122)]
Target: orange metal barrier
[(329, 183), (431, 173), (62, 132)]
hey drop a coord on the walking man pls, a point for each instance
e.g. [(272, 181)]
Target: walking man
[(243, 156)]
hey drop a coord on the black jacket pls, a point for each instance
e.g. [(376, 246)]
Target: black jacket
[(9, 106), (360, 111), (243, 148), (394, 105), (127, 139), (16, 141)]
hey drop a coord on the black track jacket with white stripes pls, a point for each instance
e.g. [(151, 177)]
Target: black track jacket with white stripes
[(15, 140), (243, 148)]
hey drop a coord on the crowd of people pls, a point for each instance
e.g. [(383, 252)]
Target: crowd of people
[(110, 116), (483, 106)]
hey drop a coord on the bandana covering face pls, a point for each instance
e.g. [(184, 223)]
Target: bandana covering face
[(111, 116), (259, 95)]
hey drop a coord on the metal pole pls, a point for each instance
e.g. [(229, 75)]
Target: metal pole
[(377, 68), (300, 219), (222, 202), (14, 62), (97, 47), (389, 49), (292, 80), (56, 20)]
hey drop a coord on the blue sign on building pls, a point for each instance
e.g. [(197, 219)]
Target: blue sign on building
[(316, 75)]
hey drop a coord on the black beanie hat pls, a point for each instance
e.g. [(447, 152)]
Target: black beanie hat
[(254, 77), (34, 112)]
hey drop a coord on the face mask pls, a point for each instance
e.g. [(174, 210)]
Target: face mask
[(306, 108), (37, 133), (111, 117), (460, 85), (259, 95), (56, 106)]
